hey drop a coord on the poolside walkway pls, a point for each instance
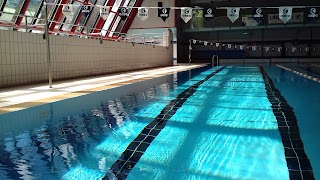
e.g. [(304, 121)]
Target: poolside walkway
[(18, 98)]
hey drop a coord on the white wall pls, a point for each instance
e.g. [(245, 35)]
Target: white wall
[(23, 58)]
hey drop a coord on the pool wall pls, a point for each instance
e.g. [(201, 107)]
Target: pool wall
[(23, 57)]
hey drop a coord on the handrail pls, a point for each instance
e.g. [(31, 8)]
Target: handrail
[(41, 28), (213, 60)]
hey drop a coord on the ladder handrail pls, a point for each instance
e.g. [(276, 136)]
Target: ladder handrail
[(213, 59)]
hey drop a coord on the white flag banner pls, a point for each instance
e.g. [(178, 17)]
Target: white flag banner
[(267, 49), (194, 41), (307, 49), (104, 12), (241, 47), (233, 14), (254, 48), (294, 49), (143, 13), (205, 43), (211, 44), (229, 46), (279, 49), (217, 44), (285, 14), (235, 46), (186, 14), (67, 10)]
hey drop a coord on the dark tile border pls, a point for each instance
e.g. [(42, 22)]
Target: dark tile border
[(129, 158), (297, 161)]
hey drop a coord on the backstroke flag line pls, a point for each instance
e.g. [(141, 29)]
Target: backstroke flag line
[(233, 14), (164, 13), (143, 13), (186, 14), (104, 12), (285, 14)]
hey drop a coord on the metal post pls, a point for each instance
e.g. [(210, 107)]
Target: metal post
[(190, 49), (26, 21), (48, 44)]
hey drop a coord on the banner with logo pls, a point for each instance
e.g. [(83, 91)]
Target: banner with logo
[(296, 18), (85, 10), (285, 14), (123, 12), (164, 13), (67, 10), (186, 14), (104, 12), (258, 15), (313, 14), (233, 14), (208, 13), (143, 13)]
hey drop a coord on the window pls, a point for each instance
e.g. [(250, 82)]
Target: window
[(33, 8), (12, 7), (95, 14)]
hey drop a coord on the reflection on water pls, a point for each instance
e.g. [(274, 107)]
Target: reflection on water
[(56, 140), (225, 130)]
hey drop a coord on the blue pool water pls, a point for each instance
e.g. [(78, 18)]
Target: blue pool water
[(225, 130)]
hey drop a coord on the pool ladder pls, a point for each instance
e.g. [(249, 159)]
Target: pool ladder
[(215, 58)]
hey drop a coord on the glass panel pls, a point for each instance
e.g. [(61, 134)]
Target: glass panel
[(71, 20), (32, 10), (42, 14), (122, 23), (84, 19), (12, 6), (94, 16)]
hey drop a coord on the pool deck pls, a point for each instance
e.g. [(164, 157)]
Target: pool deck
[(22, 97)]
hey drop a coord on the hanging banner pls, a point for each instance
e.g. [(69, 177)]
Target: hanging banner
[(233, 14), (217, 44), (143, 13), (67, 10), (85, 10), (267, 49), (104, 12), (279, 49), (241, 47), (313, 14), (163, 13), (258, 16), (254, 48), (186, 14), (229, 46), (205, 43), (285, 14), (194, 41), (296, 18), (294, 49), (123, 12), (208, 13), (307, 49)]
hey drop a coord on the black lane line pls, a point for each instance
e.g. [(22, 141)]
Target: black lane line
[(297, 161), (129, 158)]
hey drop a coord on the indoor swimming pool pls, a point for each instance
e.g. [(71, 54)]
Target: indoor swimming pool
[(227, 122)]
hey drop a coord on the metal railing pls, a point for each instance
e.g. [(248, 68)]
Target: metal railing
[(40, 28), (215, 58)]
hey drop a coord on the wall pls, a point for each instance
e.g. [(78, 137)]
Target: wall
[(23, 57), (276, 37)]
